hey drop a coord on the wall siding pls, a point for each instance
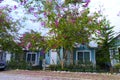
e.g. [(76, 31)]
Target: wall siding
[(92, 51), (92, 55), (47, 57), (117, 45)]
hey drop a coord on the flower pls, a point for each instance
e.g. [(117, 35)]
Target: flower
[(45, 14), (28, 45), (24, 35), (98, 31), (86, 3), (15, 7), (73, 20), (31, 9), (0, 12), (23, 2), (35, 14), (42, 52), (1, 1), (48, 1), (59, 15), (43, 23), (56, 23)]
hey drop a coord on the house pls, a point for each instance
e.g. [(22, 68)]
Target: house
[(115, 51), (82, 53), (5, 56), (36, 58), (86, 53)]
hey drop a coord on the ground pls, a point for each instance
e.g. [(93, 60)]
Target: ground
[(55, 75)]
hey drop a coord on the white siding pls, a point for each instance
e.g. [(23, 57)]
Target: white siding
[(53, 57), (8, 56)]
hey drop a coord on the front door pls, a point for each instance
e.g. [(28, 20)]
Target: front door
[(53, 57)]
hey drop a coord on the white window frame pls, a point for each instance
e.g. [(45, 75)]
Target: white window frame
[(30, 59), (118, 48), (83, 52), (118, 52)]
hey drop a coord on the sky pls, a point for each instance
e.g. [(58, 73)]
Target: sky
[(111, 9)]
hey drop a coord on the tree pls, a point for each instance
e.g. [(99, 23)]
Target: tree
[(8, 32), (33, 41), (68, 22), (69, 26), (106, 41)]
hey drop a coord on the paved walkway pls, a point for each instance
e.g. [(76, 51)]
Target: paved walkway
[(53, 75), (6, 76)]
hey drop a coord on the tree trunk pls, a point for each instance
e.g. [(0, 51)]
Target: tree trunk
[(71, 56), (61, 59)]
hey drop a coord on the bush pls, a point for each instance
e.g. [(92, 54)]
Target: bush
[(36, 68), (83, 67), (117, 66), (14, 64), (57, 67), (52, 67)]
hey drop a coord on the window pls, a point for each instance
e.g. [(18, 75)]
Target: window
[(1, 56), (119, 54), (86, 57), (31, 58), (112, 51), (83, 56), (80, 56)]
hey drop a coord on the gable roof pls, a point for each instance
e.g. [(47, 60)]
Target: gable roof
[(93, 44), (118, 36)]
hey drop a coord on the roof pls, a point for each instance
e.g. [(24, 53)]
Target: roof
[(93, 44), (116, 37)]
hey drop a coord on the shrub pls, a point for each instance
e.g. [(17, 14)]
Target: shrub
[(83, 67), (14, 64), (52, 67), (36, 68), (117, 66), (58, 67)]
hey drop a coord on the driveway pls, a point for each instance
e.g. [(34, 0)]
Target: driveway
[(53, 75)]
